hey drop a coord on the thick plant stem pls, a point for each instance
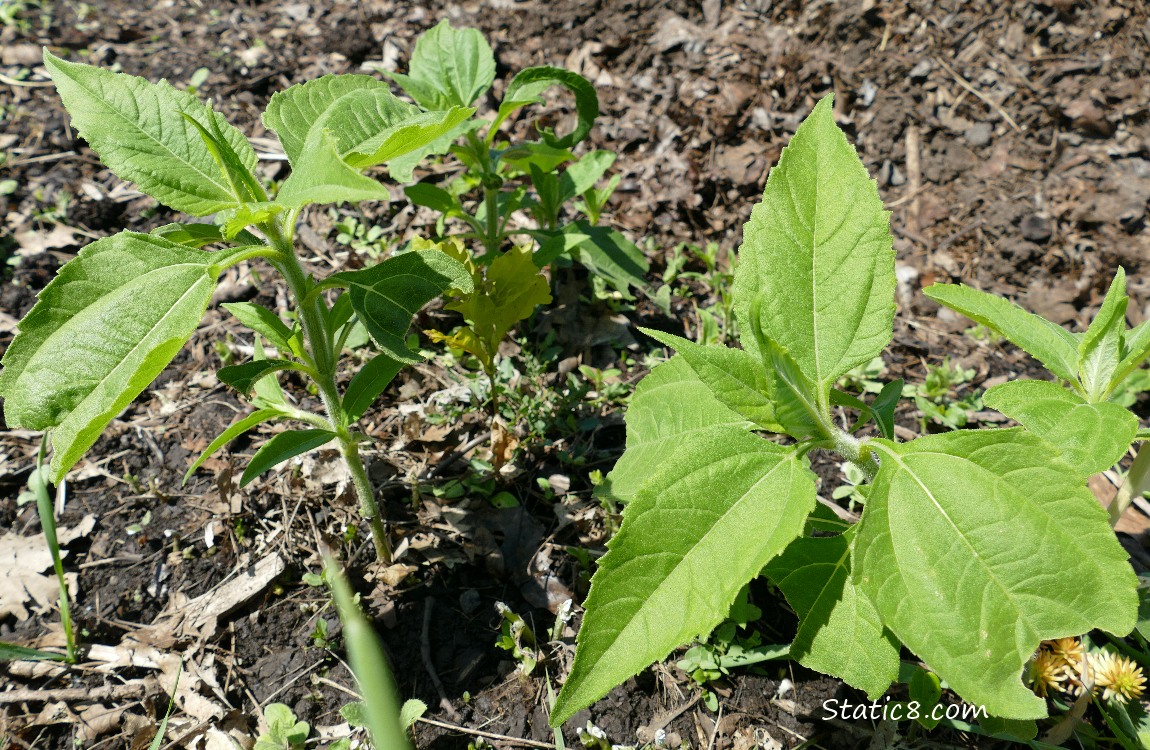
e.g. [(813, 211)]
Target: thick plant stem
[(318, 340), (851, 448)]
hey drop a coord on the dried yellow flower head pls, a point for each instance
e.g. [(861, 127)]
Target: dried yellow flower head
[(1048, 671), (1118, 677), (1070, 649)]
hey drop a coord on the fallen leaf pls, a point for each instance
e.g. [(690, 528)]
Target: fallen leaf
[(27, 581)]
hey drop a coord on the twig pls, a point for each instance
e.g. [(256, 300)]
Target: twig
[(446, 463), (425, 651), (488, 735), (986, 99), (913, 177), (90, 695)]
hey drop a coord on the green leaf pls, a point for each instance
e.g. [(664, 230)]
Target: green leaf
[(321, 176), (411, 711), (1090, 437), (244, 377), (402, 168), (527, 87), (281, 447), (139, 131), (1050, 344), (671, 406), (385, 718), (387, 296), (926, 690), (368, 383), (1100, 348), (263, 321), (12, 652), (1019, 729), (449, 67), (884, 405), (410, 135), (234, 430), (199, 235), (840, 632), (100, 332), (511, 289), (698, 529), (1135, 349), (608, 254), (976, 546), (818, 253), (521, 156), (795, 396), (734, 376), (432, 196), (583, 174), (236, 220)]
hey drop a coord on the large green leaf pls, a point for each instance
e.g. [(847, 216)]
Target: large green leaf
[(139, 130), (449, 68), (1100, 349), (387, 296), (736, 378), (1050, 344), (818, 253), (608, 254), (840, 632), (704, 524), (104, 328), (1090, 437), (976, 546), (670, 407)]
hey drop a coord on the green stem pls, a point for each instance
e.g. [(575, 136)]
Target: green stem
[(48, 523), (853, 450), (313, 316), (1137, 481)]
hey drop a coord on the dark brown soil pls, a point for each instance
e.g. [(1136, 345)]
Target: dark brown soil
[(1031, 122)]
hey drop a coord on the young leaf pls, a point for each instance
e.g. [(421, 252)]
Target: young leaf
[(1051, 344), (884, 405), (234, 430), (402, 167), (449, 67), (1100, 348), (671, 406), (100, 332), (511, 289), (433, 196), (139, 131), (527, 87), (14, 652), (976, 546), (368, 383), (1090, 437), (819, 255), (321, 176), (1135, 349), (244, 377), (281, 447), (583, 174), (387, 296), (796, 398), (704, 524), (734, 376), (840, 632), (199, 235), (263, 321)]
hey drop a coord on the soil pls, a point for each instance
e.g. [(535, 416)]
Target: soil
[(1030, 123)]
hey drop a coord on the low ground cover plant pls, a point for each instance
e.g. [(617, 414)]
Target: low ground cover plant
[(114, 316), (974, 546)]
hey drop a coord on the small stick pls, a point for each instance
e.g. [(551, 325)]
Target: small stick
[(913, 177), (488, 735), (425, 651), (90, 695), (986, 99)]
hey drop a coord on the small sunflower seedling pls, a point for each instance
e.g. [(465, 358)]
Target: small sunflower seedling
[(117, 314), (974, 546)]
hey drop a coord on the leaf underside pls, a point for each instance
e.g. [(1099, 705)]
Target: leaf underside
[(100, 332)]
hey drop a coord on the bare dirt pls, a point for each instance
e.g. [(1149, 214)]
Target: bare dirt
[(1011, 141)]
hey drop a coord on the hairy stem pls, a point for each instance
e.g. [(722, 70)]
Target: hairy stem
[(313, 317)]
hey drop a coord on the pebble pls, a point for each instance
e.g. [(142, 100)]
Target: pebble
[(979, 134)]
